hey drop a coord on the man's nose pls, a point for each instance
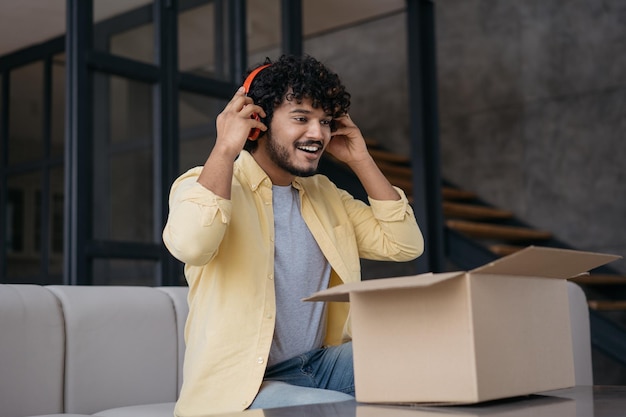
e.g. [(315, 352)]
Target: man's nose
[(316, 130)]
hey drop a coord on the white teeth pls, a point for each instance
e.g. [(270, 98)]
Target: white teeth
[(309, 148)]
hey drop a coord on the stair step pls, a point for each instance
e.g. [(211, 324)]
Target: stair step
[(395, 170), (600, 279), (492, 231), (472, 211), (405, 184), (606, 305), (372, 143), (380, 155), (504, 250), (451, 193)]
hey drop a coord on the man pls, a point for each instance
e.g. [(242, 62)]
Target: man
[(258, 230)]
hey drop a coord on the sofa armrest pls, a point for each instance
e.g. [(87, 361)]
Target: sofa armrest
[(31, 351), (181, 308)]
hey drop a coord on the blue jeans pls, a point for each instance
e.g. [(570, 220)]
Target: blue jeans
[(321, 375)]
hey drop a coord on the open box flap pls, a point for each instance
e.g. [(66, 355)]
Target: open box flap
[(536, 261), (342, 292)]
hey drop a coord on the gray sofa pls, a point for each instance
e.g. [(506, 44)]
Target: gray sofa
[(89, 350), (118, 351)]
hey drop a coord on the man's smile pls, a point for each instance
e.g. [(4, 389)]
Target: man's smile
[(313, 147)]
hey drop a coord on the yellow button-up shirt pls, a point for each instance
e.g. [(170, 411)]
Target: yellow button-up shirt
[(228, 250)]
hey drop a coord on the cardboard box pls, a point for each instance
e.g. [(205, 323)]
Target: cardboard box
[(498, 331), (534, 405)]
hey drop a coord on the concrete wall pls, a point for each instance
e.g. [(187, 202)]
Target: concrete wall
[(533, 112), (532, 102)]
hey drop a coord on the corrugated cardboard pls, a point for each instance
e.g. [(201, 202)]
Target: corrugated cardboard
[(497, 331)]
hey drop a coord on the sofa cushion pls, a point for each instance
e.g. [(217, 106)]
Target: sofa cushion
[(148, 410), (62, 415), (121, 345), (31, 351)]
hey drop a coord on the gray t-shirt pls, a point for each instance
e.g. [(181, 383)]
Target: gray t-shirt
[(300, 269)]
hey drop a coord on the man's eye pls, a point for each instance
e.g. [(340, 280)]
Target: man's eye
[(300, 119), (326, 122)]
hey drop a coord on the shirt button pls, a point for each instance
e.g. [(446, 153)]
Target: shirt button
[(268, 316), (270, 276), (260, 360)]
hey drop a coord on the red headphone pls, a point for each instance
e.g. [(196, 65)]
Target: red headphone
[(254, 133)]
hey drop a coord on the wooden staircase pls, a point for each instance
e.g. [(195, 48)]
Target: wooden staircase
[(476, 233), (497, 230)]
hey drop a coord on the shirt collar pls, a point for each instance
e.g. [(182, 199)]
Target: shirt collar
[(297, 184), (253, 173), (255, 176)]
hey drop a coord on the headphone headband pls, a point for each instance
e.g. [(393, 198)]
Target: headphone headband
[(248, 82)]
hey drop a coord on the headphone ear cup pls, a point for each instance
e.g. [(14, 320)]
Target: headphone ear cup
[(254, 133)]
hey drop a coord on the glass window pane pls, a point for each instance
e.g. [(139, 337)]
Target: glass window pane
[(23, 207), (124, 272), (55, 219), (125, 28), (137, 43), (122, 160), (57, 118), (26, 114), (264, 30), (200, 50), (197, 128)]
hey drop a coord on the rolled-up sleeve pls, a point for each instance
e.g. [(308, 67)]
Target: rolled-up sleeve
[(197, 220), (390, 232), (392, 210)]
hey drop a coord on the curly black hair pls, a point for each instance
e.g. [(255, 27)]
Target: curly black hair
[(296, 78)]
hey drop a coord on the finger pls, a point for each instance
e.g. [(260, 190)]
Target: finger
[(239, 100), (260, 125), (347, 120), (249, 109), (239, 95), (242, 102), (342, 130)]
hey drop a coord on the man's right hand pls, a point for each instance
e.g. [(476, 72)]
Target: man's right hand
[(235, 122), (233, 127)]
